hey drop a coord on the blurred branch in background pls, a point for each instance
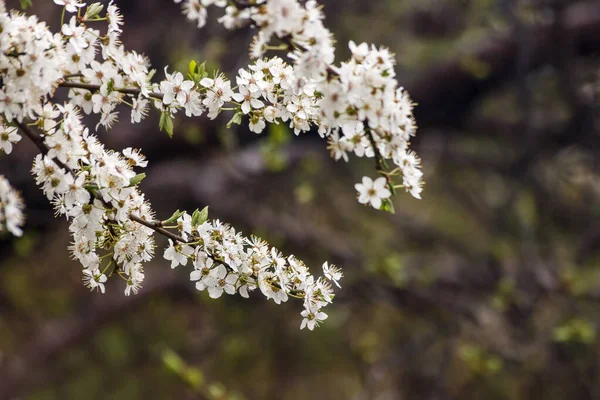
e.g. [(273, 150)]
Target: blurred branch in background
[(194, 378)]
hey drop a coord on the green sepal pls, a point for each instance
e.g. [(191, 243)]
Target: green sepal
[(388, 206), (236, 119), (166, 123)]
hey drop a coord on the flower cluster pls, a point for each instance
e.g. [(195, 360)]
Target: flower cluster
[(224, 261), (96, 190), (358, 105), (99, 87), (287, 20), (373, 114), (11, 209), (178, 93), (360, 108), (32, 60), (269, 91)]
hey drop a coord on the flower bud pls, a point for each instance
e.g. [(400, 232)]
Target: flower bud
[(93, 11), (270, 113)]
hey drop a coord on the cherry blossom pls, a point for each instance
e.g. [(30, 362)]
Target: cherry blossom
[(372, 192)]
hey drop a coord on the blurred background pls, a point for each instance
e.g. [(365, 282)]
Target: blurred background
[(488, 288)]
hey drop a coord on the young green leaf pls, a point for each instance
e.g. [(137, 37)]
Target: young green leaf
[(173, 217), (137, 179), (193, 68), (199, 217)]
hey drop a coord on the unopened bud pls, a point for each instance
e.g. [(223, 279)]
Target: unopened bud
[(93, 10)]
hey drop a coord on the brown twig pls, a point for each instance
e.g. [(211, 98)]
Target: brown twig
[(156, 227), (93, 87), (39, 142)]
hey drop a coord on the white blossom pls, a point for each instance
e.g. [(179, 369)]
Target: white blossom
[(70, 5), (372, 192), (8, 137), (332, 273), (11, 209)]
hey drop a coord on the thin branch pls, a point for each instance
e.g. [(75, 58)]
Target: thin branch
[(39, 142), (156, 227), (93, 87), (379, 162)]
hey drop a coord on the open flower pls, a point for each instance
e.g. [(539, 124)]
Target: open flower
[(94, 279), (332, 273), (373, 192), (312, 319), (8, 136), (70, 5), (177, 254), (219, 281)]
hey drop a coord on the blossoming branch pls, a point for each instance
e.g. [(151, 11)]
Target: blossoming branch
[(358, 106)]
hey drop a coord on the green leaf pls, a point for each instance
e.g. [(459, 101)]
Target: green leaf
[(173, 217), (166, 123), (137, 179), (199, 217), (236, 119), (25, 4), (197, 71)]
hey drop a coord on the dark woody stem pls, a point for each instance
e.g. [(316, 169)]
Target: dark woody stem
[(156, 227), (92, 87)]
